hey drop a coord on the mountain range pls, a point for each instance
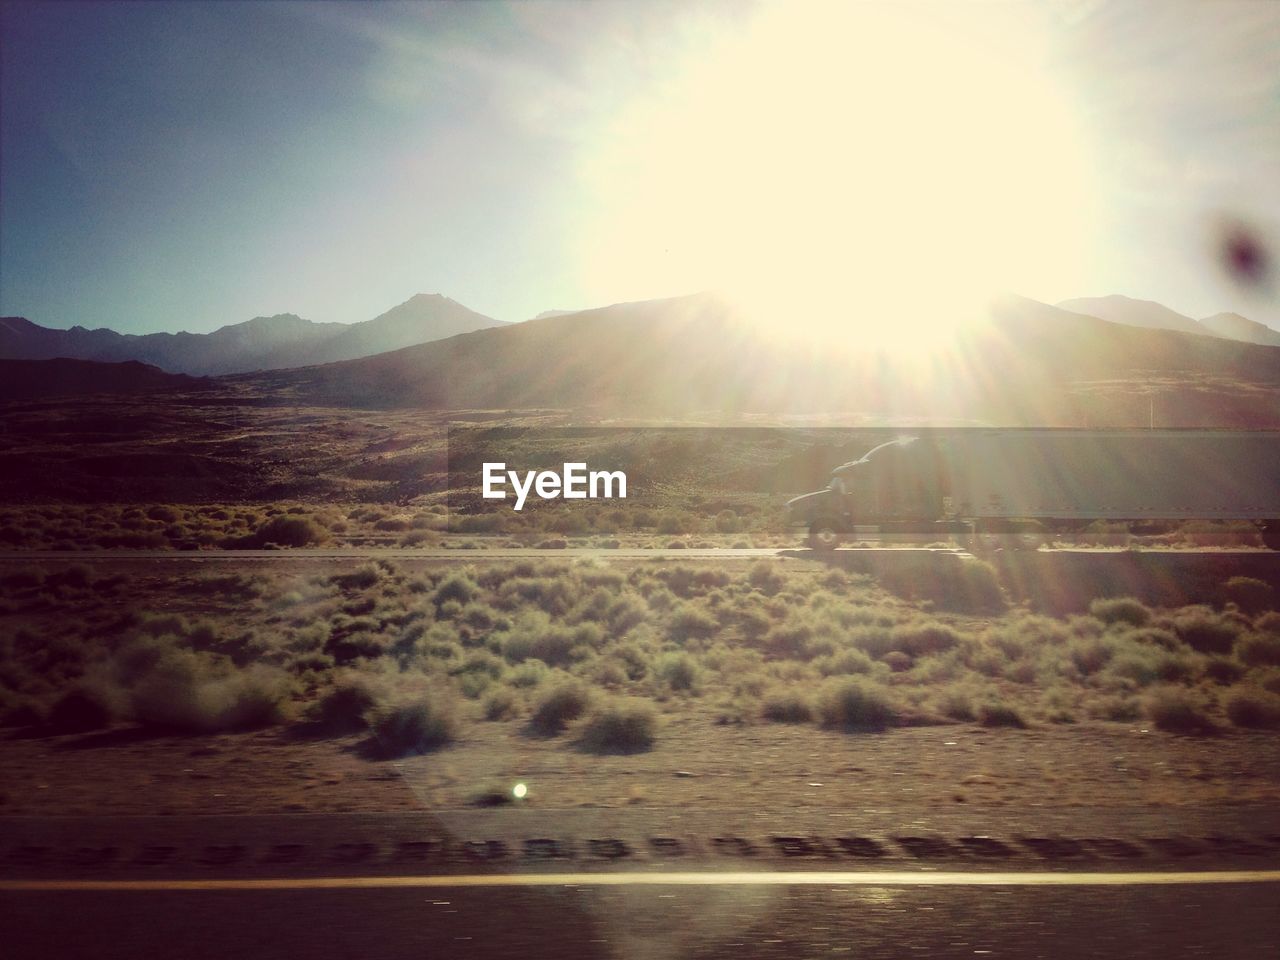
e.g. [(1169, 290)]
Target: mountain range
[(263, 343), (1031, 363), (1156, 316), (61, 377)]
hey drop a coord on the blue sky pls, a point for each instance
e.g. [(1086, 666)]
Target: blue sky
[(185, 165)]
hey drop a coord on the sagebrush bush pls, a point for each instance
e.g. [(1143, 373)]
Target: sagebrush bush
[(290, 531), (621, 726), (786, 705), (534, 637), (1118, 707), (501, 703), (954, 702), (85, 706), (1142, 666), (1250, 594), (420, 724), (1259, 649), (530, 673), (1121, 610), (766, 577), (959, 584), (994, 713), (679, 671), (362, 578), (689, 622), (1206, 631), (920, 638), (852, 704), (456, 586), (1252, 707), (1176, 710), (345, 707), (559, 706), (192, 692), (1223, 670), (845, 663)]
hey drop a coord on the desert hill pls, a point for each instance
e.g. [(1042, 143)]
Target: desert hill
[(1136, 313), (30, 379), (1236, 327), (263, 343), (1031, 363)]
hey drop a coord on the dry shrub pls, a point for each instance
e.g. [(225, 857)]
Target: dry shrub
[(994, 713), (501, 703), (85, 706), (856, 705), (1251, 595), (679, 671), (1176, 710), (1251, 707), (1259, 649), (958, 584), (786, 705), (765, 577), (1121, 610), (290, 531), (420, 723), (346, 707), (621, 726), (563, 703), (1206, 631), (188, 691)]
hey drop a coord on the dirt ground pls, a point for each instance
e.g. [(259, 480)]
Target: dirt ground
[(697, 764)]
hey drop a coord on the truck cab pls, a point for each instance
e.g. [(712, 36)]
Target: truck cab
[(899, 486)]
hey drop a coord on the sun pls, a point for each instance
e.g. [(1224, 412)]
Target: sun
[(846, 167)]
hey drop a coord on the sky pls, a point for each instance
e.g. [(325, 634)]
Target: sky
[(185, 165)]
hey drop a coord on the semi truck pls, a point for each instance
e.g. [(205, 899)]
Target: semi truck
[(1018, 486)]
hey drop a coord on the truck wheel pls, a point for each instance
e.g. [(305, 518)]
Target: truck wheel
[(1028, 540), (1271, 534), (823, 535)]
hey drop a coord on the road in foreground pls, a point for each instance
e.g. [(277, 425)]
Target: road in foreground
[(521, 884), (709, 920), (629, 553)]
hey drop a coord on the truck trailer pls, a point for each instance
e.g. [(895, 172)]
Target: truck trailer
[(1029, 483)]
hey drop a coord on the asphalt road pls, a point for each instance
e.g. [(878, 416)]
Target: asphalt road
[(765, 919), (428, 885), (505, 553)]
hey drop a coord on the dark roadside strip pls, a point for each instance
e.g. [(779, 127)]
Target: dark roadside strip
[(310, 846)]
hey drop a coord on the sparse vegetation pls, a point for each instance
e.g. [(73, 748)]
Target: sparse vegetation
[(418, 724), (786, 705), (346, 707), (621, 726), (1178, 711), (1255, 708), (855, 705), (1121, 610), (411, 659), (558, 707)]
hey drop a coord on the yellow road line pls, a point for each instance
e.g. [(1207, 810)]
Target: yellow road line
[(689, 878)]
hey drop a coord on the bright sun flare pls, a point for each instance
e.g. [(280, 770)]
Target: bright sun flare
[(870, 170)]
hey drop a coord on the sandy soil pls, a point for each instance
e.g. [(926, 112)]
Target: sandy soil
[(697, 765)]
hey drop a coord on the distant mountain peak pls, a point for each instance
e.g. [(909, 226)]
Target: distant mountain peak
[(1133, 312), (1236, 327), (278, 341)]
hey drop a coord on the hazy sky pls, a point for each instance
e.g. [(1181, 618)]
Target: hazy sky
[(171, 165)]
